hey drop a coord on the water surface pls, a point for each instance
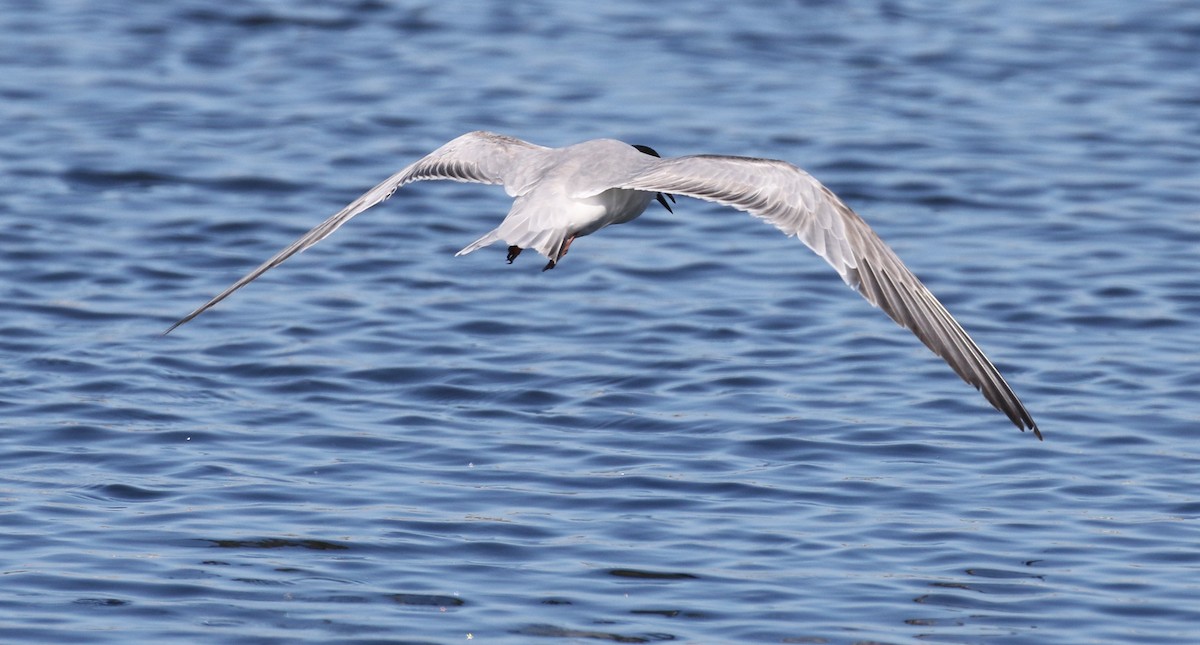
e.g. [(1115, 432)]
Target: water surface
[(691, 430)]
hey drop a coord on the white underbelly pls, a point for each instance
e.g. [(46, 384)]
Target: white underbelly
[(615, 206)]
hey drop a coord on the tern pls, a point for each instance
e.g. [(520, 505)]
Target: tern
[(561, 194)]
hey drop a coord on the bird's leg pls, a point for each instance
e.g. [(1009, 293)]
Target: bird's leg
[(561, 252), (513, 252)]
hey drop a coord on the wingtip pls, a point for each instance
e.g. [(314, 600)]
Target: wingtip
[(181, 321), (1025, 422)]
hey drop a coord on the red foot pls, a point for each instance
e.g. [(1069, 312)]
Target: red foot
[(561, 252)]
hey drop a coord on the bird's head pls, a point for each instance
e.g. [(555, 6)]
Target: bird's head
[(661, 197)]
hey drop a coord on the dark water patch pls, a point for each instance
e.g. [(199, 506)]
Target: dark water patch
[(291, 372), (395, 375), (1190, 510), (101, 602), (251, 185), (126, 493), (76, 312), (256, 20), (348, 444), (319, 390), (1002, 574), (442, 394), (961, 601), (554, 631), (427, 600), (89, 177), (129, 414), (650, 575), (490, 328), (527, 398), (665, 613), (279, 543), (261, 582), (416, 421)]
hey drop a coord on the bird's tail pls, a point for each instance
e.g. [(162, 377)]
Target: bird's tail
[(547, 243), (491, 237)]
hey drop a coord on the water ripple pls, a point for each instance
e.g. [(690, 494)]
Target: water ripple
[(690, 430)]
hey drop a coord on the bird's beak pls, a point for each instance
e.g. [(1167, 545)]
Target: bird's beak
[(663, 201)]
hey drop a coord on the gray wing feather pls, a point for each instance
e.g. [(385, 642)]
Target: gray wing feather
[(797, 204), (481, 157)]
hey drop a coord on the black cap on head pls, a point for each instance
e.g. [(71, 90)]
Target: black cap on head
[(647, 149)]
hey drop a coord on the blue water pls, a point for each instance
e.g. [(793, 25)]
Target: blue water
[(691, 430)]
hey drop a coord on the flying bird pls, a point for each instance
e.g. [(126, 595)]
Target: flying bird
[(561, 194)]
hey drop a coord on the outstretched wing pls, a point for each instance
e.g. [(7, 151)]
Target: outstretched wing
[(797, 204), (481, 157)]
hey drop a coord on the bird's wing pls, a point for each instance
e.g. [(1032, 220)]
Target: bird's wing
[(481, 157), (797, 204)]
